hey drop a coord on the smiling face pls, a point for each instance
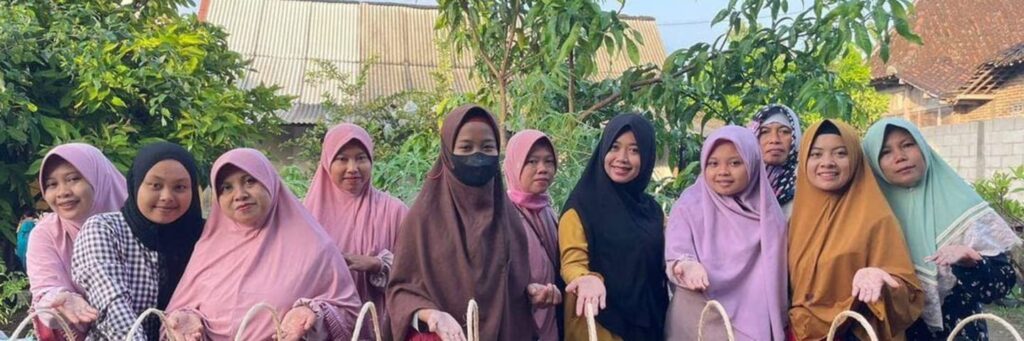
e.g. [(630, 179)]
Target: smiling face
[(66, 190), (828, 165), (725, 171), (539, 169), (622, 163), (242, 198), (900, 159), (166, 192), (351, 168), (776, 140)]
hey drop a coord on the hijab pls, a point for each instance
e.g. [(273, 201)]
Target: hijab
[(52, 241), (461, 242), (286, 258), (174, 241), (834, 234), (935, 212), (624, 227), (365, 223), (740, 240), (783, 178)]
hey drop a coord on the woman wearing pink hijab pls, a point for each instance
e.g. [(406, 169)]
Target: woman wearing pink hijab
[(77, 182), (726, 241), (361, 220), (261, 245), (530, 166)]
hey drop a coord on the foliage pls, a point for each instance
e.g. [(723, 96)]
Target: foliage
[(12, 285), (810, 60), (999, 191), (117, 77)]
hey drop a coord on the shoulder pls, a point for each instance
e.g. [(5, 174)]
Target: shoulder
[(106, 224)]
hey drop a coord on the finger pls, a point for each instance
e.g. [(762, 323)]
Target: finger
[(892, 282), (602, 297), (571, 287), (705, 280), (580, 302)]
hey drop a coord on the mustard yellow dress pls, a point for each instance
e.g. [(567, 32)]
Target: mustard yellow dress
[(572, 244)]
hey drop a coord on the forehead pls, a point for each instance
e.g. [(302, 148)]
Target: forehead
[(475, 130), (353, 147), (59, 166), (894, 133), (168, 169), (828, 141), (626, 137)]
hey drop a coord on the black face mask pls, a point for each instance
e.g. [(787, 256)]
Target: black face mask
[(475, 169)]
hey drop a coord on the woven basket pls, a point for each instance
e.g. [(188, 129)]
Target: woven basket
[(372, 309), (841, 317), (960, 326), (142, 318), (721, 312), (69, 334), (252, 313)]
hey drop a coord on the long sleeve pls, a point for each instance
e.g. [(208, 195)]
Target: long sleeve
[(100, 271), (333, 322), (380, 279), (572, 243), (46, 270)]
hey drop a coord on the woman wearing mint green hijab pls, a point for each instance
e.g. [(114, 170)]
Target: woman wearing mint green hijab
[(958, 243)]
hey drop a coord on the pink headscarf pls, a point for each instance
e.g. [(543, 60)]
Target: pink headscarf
[(539, 221), (51, 242), (363, 224), (743, 250), (288, 258)]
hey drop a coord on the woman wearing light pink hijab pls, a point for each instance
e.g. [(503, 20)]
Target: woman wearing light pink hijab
[(726, 241), (260, 245), (77, 181), (530, 166), (360, 219)]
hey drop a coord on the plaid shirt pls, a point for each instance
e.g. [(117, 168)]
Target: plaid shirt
[(120, 277)]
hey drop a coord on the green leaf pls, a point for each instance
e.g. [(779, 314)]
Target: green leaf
[(633, 51)]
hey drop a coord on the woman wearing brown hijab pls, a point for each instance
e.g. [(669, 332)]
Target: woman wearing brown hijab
[(846, 248), (462, 240)]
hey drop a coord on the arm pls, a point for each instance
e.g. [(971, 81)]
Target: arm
[(99, 270), (380, 279), (572, 243)]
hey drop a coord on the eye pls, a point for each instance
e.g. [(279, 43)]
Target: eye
[(884, 152), (712, 164), (736, 163), (156, 186), (225, 187), (180, 188), (786, 131), (634, 150), (815, 154)]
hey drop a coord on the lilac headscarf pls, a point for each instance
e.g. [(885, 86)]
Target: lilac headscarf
[(743, 250)]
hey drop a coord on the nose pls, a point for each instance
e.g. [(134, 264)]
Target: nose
[(63, 190), (774, 138)]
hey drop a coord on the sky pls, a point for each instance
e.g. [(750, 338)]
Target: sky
[(681, 23)]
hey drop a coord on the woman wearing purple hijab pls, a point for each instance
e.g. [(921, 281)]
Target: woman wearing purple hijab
[(726, 241)]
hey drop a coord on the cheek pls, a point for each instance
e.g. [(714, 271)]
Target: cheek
[(184, 200), (634, 160)]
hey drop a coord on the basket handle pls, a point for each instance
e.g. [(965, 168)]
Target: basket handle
[(142, 318), (69, 334), (473, 321), (372, 309), (721, 312), (842, 316), (252, 313), (963, 323), (589, 312)]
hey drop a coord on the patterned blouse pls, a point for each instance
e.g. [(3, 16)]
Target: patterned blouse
[(120, 277)]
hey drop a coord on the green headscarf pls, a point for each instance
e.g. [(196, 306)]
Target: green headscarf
[(931, 211)]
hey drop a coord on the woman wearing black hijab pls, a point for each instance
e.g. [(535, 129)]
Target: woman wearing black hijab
[(611, 238), (131, 260)]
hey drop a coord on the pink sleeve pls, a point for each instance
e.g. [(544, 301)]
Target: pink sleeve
[(332, 323)]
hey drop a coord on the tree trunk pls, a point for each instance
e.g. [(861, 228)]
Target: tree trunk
[(572, 82)]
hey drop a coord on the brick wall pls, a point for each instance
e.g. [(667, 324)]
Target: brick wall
[(979, 148)]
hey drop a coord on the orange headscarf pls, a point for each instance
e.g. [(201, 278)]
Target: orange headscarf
[(834, 234)]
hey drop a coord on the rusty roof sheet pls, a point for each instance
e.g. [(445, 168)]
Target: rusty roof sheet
[(286, 38)]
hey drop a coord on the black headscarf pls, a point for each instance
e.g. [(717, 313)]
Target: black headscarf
[(625, 235), (175, 241)]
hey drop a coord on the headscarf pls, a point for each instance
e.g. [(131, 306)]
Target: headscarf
[(460, 243), (539, 221), (625, 235), (834, 234), (52, 241), (173, 241), (743, 248), (938, 211), (364, 223), (286, 258), (783, 178)]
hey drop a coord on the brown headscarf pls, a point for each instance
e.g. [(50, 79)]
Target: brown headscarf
[(834, 234), (460, 243)]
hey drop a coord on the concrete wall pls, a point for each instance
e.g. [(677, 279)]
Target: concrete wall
[(979, 148)]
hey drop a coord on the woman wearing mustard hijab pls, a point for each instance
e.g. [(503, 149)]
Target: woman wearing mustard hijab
[(846, 249)]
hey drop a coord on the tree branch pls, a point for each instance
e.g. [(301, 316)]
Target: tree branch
[(479, 42)]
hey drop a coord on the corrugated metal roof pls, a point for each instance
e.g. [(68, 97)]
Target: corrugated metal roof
[(285, 38)]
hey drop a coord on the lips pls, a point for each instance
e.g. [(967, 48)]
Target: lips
[(828, 175), (905, 170), (618, 170), (165, 209), (68, 204), (244, 207)]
